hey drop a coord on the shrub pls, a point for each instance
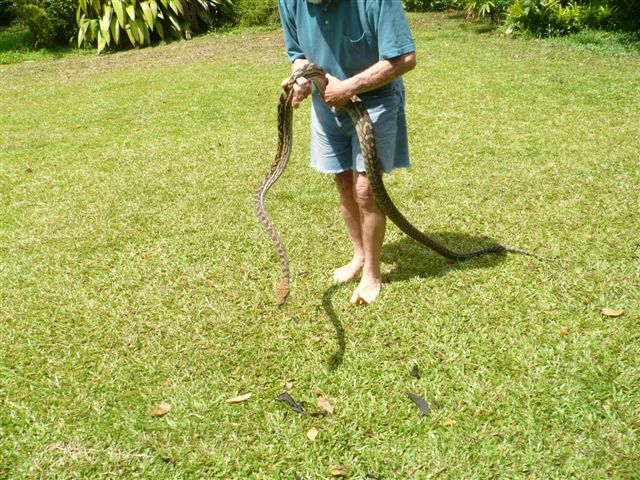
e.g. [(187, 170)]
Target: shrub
[(132, 22), (558, 17), (7, 13), (494, 9), (430, 5), (50, 21), (249, 13)]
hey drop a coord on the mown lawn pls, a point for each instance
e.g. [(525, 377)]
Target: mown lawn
[(133, 270)]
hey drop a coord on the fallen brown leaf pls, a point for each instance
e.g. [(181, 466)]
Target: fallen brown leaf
[(564, 331), (161, 410), (167, 383), (324, 404), (611, 312), (28, 170), (151, 254), (316, 391), (312, 434), (77, 125), (448, 422), (239, 398), (339, 471)]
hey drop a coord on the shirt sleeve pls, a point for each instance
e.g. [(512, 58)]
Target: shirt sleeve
[(389, 24), (290, 31)]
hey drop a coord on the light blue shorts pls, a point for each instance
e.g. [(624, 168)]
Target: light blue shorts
[(334, 143)]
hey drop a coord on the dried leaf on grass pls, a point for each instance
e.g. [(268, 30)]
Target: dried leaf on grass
[(611, 312), (339, 471), (448, 422), (324, 404), (239, 398), (312, 434), (28, 170), (564, 331), (161, 410), (420, 402)]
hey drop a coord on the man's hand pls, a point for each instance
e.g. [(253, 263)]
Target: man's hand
[(338, 92), (301, 90)]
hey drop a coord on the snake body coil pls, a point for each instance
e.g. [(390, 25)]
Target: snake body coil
[(364, 129)]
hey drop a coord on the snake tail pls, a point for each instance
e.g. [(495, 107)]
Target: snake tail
[(364, 129), (285, 130)]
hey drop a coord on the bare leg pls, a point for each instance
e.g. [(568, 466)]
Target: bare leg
[(373, 225), (351, 215)]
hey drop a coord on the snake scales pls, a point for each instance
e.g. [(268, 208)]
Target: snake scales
[(364, 128)]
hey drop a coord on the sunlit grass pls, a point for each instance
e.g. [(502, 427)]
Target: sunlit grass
[(133, 270)]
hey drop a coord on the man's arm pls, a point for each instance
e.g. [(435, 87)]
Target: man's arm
[(302, 87), (338, 92)]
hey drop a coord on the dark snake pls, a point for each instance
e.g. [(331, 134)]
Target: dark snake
[(364, 129)]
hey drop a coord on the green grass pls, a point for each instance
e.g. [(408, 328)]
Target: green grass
[(17, 46), (617, 43), (130, 255)]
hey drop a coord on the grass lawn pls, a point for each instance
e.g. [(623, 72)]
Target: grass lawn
[(133, 270)]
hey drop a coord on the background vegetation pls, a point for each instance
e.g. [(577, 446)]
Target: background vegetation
[(126, 23), (133, 270)]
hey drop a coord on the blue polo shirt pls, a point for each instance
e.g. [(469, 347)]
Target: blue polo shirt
[(346, 37)]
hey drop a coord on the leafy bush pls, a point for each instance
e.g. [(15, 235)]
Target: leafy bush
[(430, 5), (255, 12), (7, 14), (559, 17), (133, 22), (494, 9), (50, 21)]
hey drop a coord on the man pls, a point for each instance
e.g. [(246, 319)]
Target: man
[(364, 46)]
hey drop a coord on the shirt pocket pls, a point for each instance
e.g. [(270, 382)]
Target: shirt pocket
[(356, 43)]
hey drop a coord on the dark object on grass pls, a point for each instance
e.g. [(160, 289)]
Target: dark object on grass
[(415, 373), (373, 475), (422, 405), (295, 406)]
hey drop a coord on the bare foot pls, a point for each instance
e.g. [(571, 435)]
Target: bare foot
[(348, 271), (367, 291)]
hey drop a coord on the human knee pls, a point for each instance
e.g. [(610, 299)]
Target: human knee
[(363, 194), (344, 182)]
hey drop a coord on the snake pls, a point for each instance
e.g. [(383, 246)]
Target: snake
[(358, 113)]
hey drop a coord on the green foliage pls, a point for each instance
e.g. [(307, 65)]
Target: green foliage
[(248, 13), (7, 14), (486, 8), (544, 17), (430, 5), (559, 17), (137, 23), (51, 21)]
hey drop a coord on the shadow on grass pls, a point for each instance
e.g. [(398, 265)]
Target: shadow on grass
[(17, 45), (410, 260), (336, 359)]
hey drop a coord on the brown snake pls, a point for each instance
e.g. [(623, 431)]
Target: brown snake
[(364, 129)]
